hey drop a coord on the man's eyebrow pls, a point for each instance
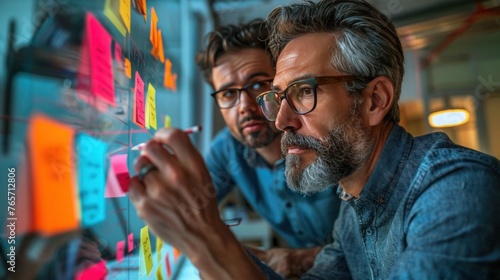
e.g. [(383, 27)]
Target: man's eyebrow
[(249, 77), (299, 78)]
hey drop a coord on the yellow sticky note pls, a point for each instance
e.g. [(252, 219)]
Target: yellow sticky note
[(168, 121), (146, 249), (159, 245), (125, 13), (128, 68), (159, 275), (151, 108), (55, 200), (111, 11), (146, 113), (170, 79)]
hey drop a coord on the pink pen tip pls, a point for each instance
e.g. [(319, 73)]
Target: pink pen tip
[(193, 129)]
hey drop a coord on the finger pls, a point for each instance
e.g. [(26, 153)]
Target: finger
[(136, 191), (180, 143), (140, 162)]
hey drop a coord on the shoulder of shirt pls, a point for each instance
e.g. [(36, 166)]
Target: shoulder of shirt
[(224, 141), (441, 151)]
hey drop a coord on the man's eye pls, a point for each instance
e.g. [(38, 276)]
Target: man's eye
[(260, 87), (230, 93)]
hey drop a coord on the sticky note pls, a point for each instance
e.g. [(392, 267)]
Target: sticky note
[(101, 70), (168, 122), (159, 245), (125, 13), (159, 275), (118, 52), (146, 249), (151, 106), (120, 250), (119, 166), (55, 207), (152, 32), (128, 68), (95, 271), (167, 266), (113, 188), (91, 158), (139, 100), (157, 50), (141, 7), (170, 79), (177, 254), (111, 11), (130, 242)]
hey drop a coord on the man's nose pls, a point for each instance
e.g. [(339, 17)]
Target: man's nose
[(247, 102)]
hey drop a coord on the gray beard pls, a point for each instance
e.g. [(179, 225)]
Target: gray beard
[(339, 155)]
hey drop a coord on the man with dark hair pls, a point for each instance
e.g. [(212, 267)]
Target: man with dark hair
[(415, 207), (247, 153)]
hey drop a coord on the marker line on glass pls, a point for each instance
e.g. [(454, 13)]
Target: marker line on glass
[(189, 130)]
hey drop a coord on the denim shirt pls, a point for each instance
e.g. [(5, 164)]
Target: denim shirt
[(302, 221), (430, 210)]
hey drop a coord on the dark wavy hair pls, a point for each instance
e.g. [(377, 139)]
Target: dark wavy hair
[(228, 39), (366, 45)]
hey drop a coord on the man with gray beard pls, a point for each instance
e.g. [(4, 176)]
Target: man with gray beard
[(414, 207)]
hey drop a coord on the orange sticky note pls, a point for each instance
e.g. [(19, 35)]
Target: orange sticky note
[(152, 32), (125, 13), (55, 206), (142, 7), (147, 255), (177, 254), (170, 79), (128, 68)]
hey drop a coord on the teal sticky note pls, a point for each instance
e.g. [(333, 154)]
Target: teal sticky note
[(91, 156)]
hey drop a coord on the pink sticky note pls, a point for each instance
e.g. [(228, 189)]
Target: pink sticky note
[(113, 188), (130, 242), (118, 52), (167, 266), (139, 100), (119, 165), (120, 250), (97, 271), (101, 70)]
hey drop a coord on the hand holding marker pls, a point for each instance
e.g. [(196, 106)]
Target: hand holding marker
[(190, 130)]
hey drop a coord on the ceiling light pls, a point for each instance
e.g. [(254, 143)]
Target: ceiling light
[(449, 118)]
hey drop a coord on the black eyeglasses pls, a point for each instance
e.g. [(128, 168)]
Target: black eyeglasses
[(300, 95), (230, 97)]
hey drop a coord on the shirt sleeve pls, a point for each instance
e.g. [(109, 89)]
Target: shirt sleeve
[(217, 161), (453, 225)]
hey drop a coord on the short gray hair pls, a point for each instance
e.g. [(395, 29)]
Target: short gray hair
[(367, 44)]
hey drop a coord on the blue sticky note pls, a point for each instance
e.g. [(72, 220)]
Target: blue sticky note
[(91, 156)]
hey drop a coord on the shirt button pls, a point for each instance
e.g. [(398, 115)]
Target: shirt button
[(369, 231), (288, 204)]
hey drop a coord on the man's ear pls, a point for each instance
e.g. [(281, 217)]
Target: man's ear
[(380, 96)]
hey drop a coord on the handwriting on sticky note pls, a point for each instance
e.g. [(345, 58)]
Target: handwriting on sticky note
[(170, 79), (151, 104), (146, 249), (101, 71), (91, 156), (53, 178), (139, 100), (125, 13)]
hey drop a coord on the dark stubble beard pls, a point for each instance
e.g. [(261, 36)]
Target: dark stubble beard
[(261, 138), (339, 155)]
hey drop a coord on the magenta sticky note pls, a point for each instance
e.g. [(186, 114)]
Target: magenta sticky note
[(130, 242), (139, 100), (101, 67), (113, 188), (97, 271), (118, 52), (120, 250)]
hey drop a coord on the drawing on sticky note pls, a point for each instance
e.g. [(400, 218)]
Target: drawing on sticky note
[(147, 255), (151, 106)]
